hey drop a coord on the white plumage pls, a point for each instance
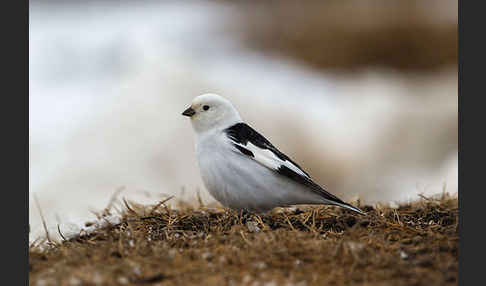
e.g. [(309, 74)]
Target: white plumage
[(243, 170)]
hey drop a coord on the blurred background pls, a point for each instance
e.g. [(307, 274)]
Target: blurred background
[(363, 94)]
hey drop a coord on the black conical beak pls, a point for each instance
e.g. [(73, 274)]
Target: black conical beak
[(189, 112)]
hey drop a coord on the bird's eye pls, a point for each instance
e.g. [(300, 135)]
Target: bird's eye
[(206, 107)]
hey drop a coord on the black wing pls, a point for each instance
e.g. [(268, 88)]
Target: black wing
[(241, 134)]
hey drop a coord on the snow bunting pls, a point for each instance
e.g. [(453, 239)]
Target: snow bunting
[(243, 170)]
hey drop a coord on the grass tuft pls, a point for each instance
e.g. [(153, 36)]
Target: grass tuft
[(414, 244)]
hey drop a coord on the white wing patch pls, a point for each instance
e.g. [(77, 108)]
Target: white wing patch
[(268, 159)]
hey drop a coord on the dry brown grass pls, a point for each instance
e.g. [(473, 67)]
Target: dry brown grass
[(416, 244)]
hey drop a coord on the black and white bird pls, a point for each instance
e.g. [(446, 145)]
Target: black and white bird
[(243, 170)]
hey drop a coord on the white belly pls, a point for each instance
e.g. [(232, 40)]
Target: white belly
[(238, 182)]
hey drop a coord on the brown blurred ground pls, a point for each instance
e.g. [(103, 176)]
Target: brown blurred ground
[(404, 35), (416, 244)]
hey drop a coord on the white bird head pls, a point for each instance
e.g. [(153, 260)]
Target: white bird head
[(210, 112)]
